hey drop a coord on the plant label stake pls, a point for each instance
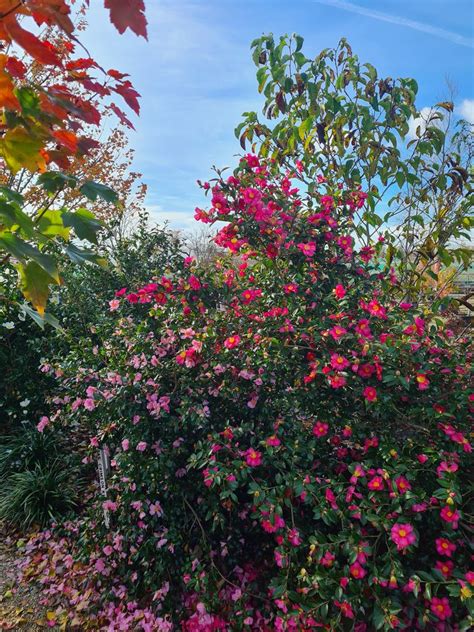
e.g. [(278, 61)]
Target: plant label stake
[(103, 465)]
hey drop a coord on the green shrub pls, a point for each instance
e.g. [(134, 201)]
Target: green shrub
[(37, 496)]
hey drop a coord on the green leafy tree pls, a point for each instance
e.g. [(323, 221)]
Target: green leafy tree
[(345, 122)]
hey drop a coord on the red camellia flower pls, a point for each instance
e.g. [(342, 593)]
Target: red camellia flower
[(370, 394), (320, 429), (345, 607), (339, 291), (232, 341), (403, 535), (422, 381), (290, 288), (441, 608), (253, 457)]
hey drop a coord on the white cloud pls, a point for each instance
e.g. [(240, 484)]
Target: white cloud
[(427, 117), (466, 110)]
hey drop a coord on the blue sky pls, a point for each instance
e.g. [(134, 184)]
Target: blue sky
[(196, 76)]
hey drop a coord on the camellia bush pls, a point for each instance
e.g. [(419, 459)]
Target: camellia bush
[(288, 444)]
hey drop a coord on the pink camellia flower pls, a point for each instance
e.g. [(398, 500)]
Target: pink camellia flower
[(327, 559), (450, 515), (345, 607), (403, 535), (273, 441), (114, 304), (357, 571), (445, 547), (43, 422), (441, 608), (375, 309), (280, 559), (370, 394), (89, 404), (422, 458), (402, 484), (125, 445), (100, 565), (273, 524), (294, 537), (251, 195), (445, 567), (194, 282), (141, 446), (155, 509), (308, 249), (253, 457), (337, 381), (444, 466), (339, 291), (376, 483), (231, 342), (320, 429), (339, 362), (337, 332)]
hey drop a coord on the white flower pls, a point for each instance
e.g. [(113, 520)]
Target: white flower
[(25, 403), (9, 325)]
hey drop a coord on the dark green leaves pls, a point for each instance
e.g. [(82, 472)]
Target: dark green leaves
[(54, 181), (23, 251), (93, 190), (85, 225)]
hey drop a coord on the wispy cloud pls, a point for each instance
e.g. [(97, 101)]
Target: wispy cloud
[(455, 38)]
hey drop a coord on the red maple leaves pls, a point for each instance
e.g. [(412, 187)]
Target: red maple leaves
[(128, 14)]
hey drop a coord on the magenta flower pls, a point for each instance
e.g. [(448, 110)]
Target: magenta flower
[(231, 342), (450, 515), (141, 447), (445, 547), (370, 394), (403, 535), (308, 249), (253, 457), (376, 483), (320, 429), (441, 608), (357, 571)]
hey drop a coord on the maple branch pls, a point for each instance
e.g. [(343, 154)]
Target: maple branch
[(10, 11)]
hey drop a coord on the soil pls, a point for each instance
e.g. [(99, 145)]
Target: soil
[(19, 603)]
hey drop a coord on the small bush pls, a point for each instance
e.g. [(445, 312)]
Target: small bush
[(37, 496)]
